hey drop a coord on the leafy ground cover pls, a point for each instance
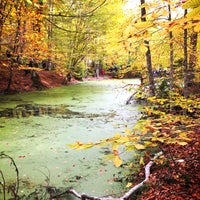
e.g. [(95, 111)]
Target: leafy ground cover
[(175, 131), (22, 82), (176, 175)]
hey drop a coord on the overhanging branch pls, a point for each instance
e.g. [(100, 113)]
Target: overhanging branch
[(87, 14)]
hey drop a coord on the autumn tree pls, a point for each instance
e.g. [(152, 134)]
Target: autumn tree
[(190, 63), (22, 35), (75, 26)]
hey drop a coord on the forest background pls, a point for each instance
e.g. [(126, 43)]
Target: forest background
[(156, 41)]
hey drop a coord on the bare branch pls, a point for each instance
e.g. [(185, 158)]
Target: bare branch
[(87, 14), (16, 189), (3, 183)]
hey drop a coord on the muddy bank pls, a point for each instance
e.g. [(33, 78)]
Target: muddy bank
[(21, 81)]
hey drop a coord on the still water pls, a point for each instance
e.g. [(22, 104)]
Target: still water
[(36, 126)]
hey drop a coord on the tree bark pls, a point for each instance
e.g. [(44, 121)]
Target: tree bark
[(186, 92), (148, 54), (171, 54), (10, 78), (192, 58)]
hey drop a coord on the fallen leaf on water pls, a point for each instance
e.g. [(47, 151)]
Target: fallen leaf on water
[(21, 156)]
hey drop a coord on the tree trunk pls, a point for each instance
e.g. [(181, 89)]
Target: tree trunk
[(192, 58), (171, 54), (10, 79), (50, 26), (148, 54), (186, 92)]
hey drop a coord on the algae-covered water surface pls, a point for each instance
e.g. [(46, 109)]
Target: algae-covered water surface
[(36, 126)]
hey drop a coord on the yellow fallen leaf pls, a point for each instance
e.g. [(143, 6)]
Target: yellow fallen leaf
[(117, 161), (139, 146), (141, 161), (128, 185), (128, 132), (182, 143)]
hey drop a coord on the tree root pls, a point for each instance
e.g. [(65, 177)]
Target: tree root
[(127, 195)]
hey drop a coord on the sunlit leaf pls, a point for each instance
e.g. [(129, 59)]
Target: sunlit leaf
[(115, 146), (117, 135), (143, 49), (139, 146), (29, 1), (128, 132), (144, 5), (141, 161), (191, 4), (184, 136), (181, 143), (117, 161), (123, 140), (79, 145), (129, 185)]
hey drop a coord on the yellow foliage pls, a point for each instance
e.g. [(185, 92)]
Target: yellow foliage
[(139, 146), (141, 161), (191, 4), (25, 67), (143, 49), (117, 161), (128, 131), (129, 185), (181, 143), (143, 25)]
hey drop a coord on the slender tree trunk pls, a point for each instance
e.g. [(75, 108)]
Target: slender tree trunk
[(186, 92), (50, 27), (192, 58), (148, 54), (10, 78), (171, 54)]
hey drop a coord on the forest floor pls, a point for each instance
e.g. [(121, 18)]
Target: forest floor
[(173, 179), (22, 82), (177, 177)]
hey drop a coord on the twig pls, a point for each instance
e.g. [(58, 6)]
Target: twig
[(15, 192), (3, 183)]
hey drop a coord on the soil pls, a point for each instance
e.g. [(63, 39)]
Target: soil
[(22, 82)]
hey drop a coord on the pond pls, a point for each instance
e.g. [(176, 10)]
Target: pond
[(36, 126)]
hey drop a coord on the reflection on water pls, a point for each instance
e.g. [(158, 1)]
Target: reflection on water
[(27, 110)]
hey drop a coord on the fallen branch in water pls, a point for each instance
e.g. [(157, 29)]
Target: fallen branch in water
[(125, 196), (14, 189), (3, 183)]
